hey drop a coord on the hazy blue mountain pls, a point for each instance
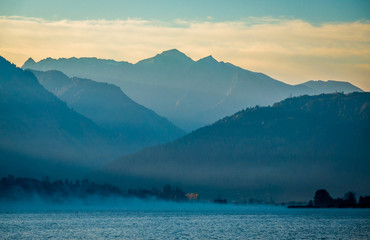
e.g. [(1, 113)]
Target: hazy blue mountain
[(331, 86), (110, 108), (189, 93), (285, 151), (40, 134)]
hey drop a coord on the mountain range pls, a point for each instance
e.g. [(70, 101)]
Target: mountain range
[(53, 124), (41, 135), (189, 93), (111, 109), (283, 152), (35, 124)]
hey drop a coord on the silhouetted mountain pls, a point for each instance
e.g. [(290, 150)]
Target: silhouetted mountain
[(189, 93), (331, 86), (40, 134), (30, 62), (110, 108), (285, 151), (172, 60)]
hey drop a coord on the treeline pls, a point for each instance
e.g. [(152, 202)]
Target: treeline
[(322, 199), (13, 189), (167, 193)]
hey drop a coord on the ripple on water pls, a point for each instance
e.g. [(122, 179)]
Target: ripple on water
[(243, 223)]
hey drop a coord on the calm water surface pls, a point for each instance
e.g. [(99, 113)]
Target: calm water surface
[(186, 222)]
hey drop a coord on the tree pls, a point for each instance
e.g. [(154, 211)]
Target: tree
[(322, 198), (350, 199)]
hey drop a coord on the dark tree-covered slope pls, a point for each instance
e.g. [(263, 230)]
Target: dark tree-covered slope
[(285, 151)]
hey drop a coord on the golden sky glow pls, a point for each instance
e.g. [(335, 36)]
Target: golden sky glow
[(292, 51)]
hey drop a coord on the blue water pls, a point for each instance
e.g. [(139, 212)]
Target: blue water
[(196, 221)]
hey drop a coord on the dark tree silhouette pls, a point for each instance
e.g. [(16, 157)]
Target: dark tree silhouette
[(350, 199), (364, 202), (322, 198)]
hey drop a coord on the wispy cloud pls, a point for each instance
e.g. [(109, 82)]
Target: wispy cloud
[(288, 49)]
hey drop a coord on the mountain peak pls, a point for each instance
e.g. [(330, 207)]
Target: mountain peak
[(29, 63), (171, 52), (172, 55), (208, 59)]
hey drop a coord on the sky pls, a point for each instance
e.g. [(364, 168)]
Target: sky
[(292, 41)]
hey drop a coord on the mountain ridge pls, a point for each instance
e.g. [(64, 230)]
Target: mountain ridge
[(191, 94), (284, 151), (41, 135), (110, 108)]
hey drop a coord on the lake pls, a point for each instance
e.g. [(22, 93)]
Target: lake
[(182, 221)]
